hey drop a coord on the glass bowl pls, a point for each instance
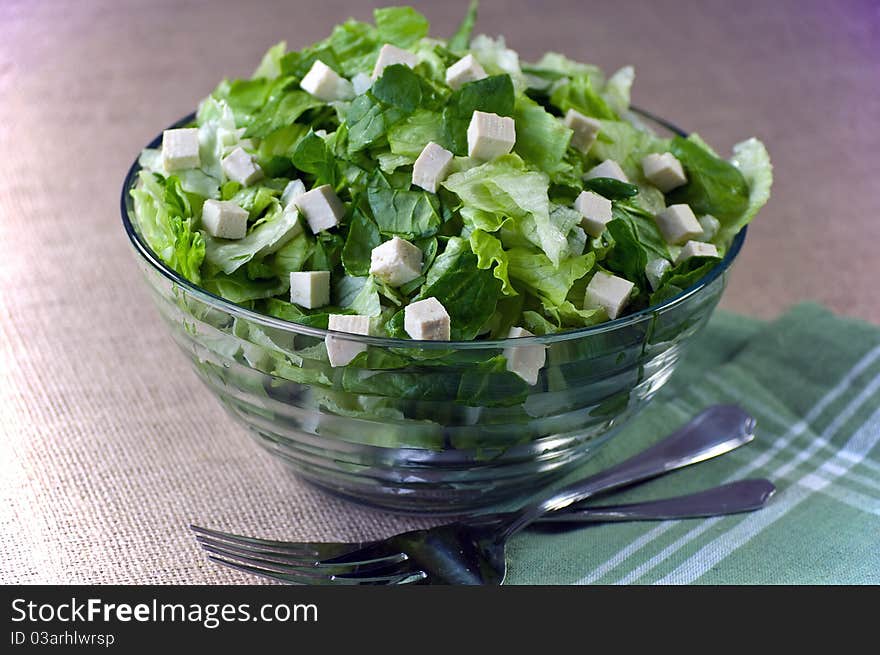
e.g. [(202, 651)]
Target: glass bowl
[(425, 427)]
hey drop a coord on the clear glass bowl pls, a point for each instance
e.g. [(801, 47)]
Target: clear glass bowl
[(425, 438)]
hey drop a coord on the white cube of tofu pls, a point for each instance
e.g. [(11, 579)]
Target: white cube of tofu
[(596, 212), (525, 361), (224, 219), (326, 84), (180, 149), (490, 135), (696, 249), (321, 206), (585, 129), (340, 350), (426, 320), (389, 55), (678, 224), (431, 167), (467, 69), (608, 168), (361, 83), (310, 289), (608, 292), (294, 189), (655, 270), (396, 262), (664, 171), (240, 167)]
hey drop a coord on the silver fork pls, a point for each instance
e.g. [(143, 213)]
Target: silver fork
[(473, 551)]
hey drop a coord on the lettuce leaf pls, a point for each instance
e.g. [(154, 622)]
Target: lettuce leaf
[(166, 222), (490, 253), (400, 26), (547, 280), (579, 94), (505, 188), (541, 138), (750, 157), (264, 237), (410, 136)]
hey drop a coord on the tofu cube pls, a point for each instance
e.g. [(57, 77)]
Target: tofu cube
[(310, 289), (426, 320), (585, 129), (361, 83), (180, 149), (696, 249), (678, 224), (240, 167), (490, 135), (608, 292), (224, 219), (655, 270), (321, 206), (431, 167), (664, 171), (294, 189), (525, 361), (340, 350), (467, 69), (326, 84), (396, 262), (608, 168), (596, 212), (389, 55)]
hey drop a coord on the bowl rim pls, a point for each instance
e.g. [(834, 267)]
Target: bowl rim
[(229, 307)]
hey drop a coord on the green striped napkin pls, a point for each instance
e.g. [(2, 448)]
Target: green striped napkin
[(812, 380)]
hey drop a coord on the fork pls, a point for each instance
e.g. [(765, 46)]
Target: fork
[(473, 551)]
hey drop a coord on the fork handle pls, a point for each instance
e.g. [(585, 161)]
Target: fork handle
[(732, 498), (715, 431)]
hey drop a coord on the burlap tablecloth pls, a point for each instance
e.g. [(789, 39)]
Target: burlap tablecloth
[(110, 446)]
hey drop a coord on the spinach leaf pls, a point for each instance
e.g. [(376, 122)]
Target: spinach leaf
[(368, 121), (468, 292), (363, 236), (407, 213), (682, 277), (400, 87), (312, 156), (493, 94), (714, 186), (637, 240)]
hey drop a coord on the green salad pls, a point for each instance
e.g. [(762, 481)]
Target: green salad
[(386, 182)]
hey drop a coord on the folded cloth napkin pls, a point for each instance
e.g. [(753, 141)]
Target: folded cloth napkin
[(812, 380)]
